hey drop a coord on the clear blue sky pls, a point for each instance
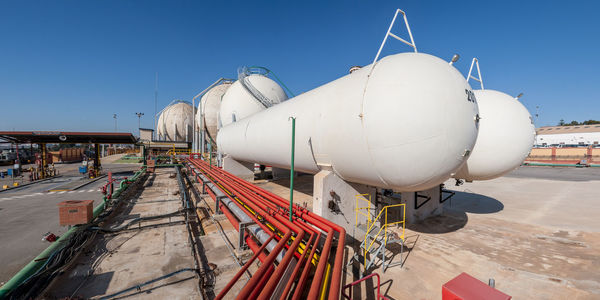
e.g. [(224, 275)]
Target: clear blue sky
[(69, 65)]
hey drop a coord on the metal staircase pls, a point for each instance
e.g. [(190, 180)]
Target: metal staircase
[(377, 235)]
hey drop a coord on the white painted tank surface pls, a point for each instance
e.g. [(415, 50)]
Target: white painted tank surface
[(176, 123), (506, 135), (160, 127), (238, 102), (209, 106), (407, 127)]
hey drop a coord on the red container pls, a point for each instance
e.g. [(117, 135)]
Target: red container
[(466, 287), (75, 212)]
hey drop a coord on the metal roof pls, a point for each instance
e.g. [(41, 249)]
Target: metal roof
[(62, 137), (568, 129)]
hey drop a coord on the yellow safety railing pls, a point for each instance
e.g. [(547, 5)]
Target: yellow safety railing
[(384, 226), (178, 152), (358, 209)]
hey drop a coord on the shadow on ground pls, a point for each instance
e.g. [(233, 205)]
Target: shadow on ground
[(474, 203)]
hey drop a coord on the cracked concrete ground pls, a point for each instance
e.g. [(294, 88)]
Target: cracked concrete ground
[(119, 261)]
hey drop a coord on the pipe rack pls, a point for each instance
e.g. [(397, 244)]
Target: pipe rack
[(306, 259)]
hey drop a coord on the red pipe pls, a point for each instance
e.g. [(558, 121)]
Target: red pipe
[(229, 216), (256, 192), (337, 268), (306, 270), (243, 269), (288, 286), (272, 283)]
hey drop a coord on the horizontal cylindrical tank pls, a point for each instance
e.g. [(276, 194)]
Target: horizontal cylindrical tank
[(506, 135), (208, 109), (407, 125), (175, 122), (238, 102)]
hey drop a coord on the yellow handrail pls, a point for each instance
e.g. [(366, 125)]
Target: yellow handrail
[(358, 208), (385, 226)]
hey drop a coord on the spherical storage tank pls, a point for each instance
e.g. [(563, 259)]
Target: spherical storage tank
[(208, 109), (175, 122), (506, 135), (238, 102), (406, 124)]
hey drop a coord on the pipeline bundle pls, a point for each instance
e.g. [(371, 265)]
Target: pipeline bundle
[(302, 259)]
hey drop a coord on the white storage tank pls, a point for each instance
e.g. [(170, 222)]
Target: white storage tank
[(238, 102), (408, 126), (175, 122), (208, 109), (506, 136)]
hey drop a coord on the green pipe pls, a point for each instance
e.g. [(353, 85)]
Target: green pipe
[(292, 166), (553, 165), (33, 266)]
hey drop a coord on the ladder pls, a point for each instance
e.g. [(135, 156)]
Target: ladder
[(377, 235)]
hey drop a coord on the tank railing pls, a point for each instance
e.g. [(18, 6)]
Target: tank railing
[(243, 74), (389, 33), (350, 285), (276, 79), (475, 61)]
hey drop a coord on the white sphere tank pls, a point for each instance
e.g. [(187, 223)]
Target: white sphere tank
[(160, 127), (208, 109), (408, 126), (506, 135), (177, 122), (238, 103)]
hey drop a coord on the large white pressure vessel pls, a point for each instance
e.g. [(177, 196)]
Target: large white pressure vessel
[(160, 127), (239, 103), (175, 122), (208, 109), (408, 126), (506, 135)]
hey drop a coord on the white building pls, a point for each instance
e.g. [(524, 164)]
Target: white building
[(568, 135)]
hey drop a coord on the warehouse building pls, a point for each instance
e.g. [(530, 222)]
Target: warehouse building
[(578, 135)]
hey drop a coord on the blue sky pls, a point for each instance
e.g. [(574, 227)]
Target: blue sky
[(70, 65)]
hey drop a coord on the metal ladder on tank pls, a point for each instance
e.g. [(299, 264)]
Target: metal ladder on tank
[(377, 237)]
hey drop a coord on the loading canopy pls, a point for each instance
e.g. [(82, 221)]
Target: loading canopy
[(61, 137)]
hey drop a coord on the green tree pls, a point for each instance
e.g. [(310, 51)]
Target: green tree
[(561, 122)]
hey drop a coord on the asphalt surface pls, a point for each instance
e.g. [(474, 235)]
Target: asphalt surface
[(556, 173), (28, 213)]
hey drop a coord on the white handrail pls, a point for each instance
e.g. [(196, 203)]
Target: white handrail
[(475, 61), (389, 33)]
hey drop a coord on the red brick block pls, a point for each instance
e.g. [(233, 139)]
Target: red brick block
[(75, 212)]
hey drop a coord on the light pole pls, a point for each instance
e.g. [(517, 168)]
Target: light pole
[(139, 115), (115, 117)]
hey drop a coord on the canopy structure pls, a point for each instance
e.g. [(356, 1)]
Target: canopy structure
[(61, 137)]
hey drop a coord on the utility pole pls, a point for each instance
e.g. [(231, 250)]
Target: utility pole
[(139, 115), (115, 117), (155, 101)]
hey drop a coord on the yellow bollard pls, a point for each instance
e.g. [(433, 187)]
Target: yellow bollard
[(15, 184), (5, 186)]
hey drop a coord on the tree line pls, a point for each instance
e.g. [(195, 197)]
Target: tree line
[(573, 123)]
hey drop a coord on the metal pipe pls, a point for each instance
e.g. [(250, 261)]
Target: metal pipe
[(243, 269), (292, 166)]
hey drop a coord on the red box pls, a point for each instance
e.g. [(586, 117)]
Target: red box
[(466, 287), (150, 165), (75, 212)]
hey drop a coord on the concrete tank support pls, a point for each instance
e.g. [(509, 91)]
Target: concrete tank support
[(243, 170), (335, 200)]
